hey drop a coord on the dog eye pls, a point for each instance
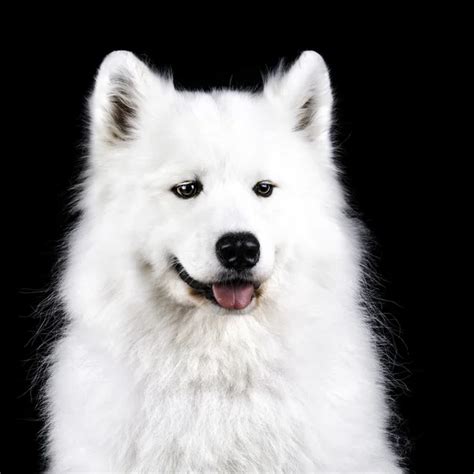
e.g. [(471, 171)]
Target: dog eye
[(187, 189), (263, 188)]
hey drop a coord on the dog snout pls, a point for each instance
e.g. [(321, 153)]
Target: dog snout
[(238, 250)]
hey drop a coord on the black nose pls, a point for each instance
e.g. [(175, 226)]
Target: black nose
[(238, 250)]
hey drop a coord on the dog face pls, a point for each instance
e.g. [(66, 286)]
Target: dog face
[(214, 192)]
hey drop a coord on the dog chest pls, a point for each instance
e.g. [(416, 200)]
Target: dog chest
[(210, 429)]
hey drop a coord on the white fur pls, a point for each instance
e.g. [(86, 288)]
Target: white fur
[(148, 378)]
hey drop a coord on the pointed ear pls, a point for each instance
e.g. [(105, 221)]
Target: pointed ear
[(120, 87), (305, 90)]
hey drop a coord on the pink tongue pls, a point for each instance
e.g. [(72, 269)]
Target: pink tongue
[(233, 297)]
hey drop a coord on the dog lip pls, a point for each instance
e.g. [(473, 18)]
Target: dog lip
[(206, 288)]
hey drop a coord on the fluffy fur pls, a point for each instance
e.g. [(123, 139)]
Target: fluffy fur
[(150, 376)]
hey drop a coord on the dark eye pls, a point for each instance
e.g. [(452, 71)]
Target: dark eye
[(263, 188), (187, 189)]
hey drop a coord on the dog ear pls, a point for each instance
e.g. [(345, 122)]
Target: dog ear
[(118, 98), (305, 89)]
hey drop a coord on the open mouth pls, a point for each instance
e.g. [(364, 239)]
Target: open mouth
[(228, 292)]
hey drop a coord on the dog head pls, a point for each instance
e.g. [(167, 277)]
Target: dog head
[(218, 193)]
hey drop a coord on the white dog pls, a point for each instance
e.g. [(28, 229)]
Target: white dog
[(212, 288)]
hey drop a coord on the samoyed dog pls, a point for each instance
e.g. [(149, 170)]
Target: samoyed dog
[(212, 288)]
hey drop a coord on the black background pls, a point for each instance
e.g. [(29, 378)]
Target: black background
[(379, 84)]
